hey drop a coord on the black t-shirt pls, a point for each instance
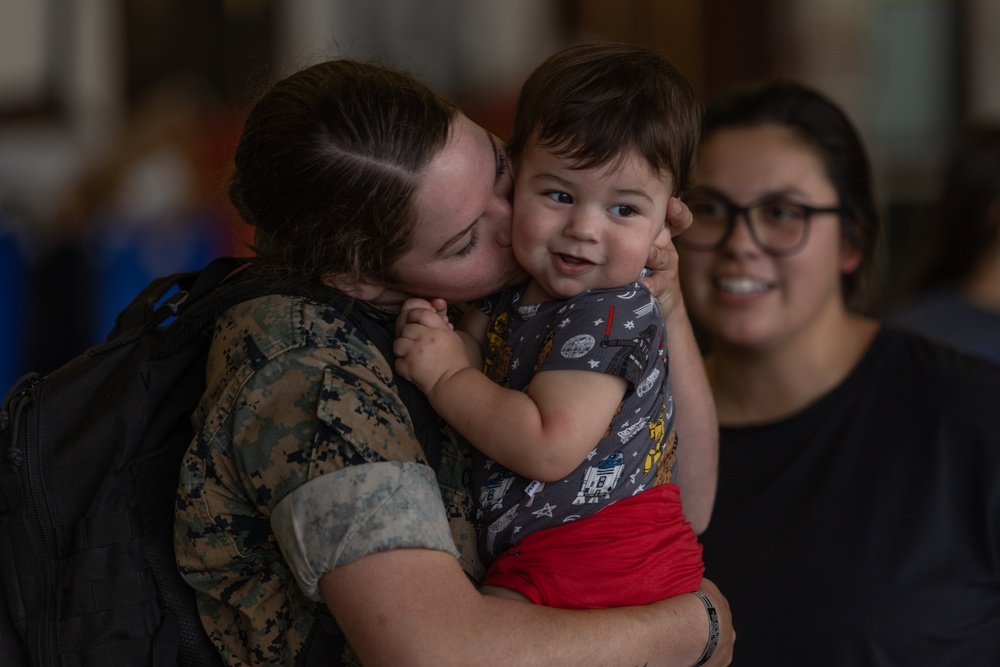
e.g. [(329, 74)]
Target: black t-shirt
[(865, 530)]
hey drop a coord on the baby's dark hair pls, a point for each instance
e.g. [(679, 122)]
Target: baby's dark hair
[(327, 168), (593, 102)]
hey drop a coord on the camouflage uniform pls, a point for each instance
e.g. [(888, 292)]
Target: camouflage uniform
[(298, 436)]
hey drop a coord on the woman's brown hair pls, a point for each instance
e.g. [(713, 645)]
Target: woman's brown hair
[(327, 167)]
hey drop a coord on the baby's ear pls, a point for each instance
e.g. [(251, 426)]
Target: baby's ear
[(360, 289)]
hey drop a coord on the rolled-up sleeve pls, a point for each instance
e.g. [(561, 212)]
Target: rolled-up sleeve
[(345, 515)]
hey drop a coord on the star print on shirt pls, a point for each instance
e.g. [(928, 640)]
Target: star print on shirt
[(545, 511), (594, 363), (598, 322), (630, 325), (563, 324)]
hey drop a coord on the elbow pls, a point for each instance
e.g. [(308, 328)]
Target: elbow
[(550, 468), (699, 518), (699, 525), (550, 472)]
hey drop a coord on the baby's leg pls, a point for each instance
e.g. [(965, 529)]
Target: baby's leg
[(498, 592)]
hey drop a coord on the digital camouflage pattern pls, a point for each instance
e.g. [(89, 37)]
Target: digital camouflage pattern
[(292, 395), (372, 500)]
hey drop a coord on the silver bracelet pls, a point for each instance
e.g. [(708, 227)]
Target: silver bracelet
[(713, 628)]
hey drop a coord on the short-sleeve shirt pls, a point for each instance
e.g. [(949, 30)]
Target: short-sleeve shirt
[(296, 402), (618, 331)]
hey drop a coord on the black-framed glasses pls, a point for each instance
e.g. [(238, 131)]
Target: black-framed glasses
[(777, 226)]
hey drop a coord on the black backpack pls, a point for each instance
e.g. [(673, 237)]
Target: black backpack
[(89, 478)]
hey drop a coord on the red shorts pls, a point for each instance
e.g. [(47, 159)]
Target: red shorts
[(632, 552)]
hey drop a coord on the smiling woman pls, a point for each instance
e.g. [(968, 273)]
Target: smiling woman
[(757, 297), (859, 465)]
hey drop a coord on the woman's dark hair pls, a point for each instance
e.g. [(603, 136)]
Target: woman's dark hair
[(327, 167), (821, 123), (964, 221), (592, 102)]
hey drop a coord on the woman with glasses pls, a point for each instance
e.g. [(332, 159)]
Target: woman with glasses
[(858, 514)]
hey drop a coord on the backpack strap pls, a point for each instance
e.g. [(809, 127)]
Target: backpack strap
[(325, 643), (426, 423)]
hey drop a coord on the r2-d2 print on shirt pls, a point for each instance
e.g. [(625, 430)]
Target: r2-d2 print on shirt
[(601, 479)]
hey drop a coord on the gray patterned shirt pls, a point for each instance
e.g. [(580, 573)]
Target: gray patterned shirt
[(618, 331)]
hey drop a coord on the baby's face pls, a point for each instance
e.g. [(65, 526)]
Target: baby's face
[(581, 229)]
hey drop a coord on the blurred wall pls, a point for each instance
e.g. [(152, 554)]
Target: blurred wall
[(118, 117), (980, 71)]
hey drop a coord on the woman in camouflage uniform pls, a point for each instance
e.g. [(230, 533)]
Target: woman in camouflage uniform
[(305, 488)]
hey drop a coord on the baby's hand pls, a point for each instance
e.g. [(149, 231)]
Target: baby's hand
[(428, 349), (410, 306)]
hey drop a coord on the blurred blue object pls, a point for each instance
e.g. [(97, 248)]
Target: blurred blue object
[(12, 310), (126, 259)]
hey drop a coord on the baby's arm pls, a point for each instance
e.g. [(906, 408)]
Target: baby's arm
[(550, 429), (544, 433), (472, 328)]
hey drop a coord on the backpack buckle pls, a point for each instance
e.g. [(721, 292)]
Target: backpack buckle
[(170, 307)]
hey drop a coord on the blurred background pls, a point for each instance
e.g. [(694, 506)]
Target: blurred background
[(118, 117)]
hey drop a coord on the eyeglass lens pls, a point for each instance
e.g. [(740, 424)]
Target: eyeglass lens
[(776, 226)]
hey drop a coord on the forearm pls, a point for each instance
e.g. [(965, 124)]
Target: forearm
[(506, 425), (473, 349), (696, 421), (415, 607)]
